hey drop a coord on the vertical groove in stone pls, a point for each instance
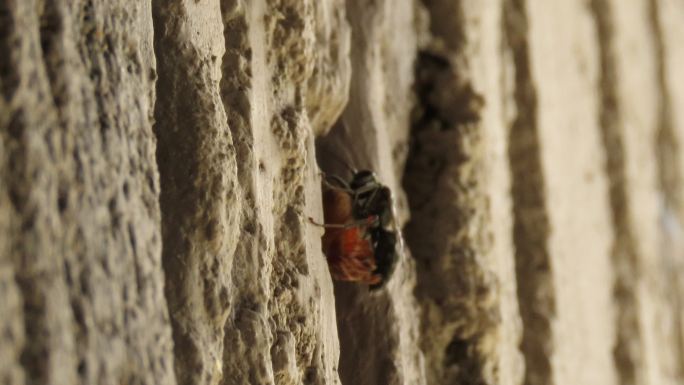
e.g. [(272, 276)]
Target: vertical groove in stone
[(198, 179), (531, 224), (360, 316), (379, 330), (445, 183), (667, 149), (170, 262), (457, 145), (627, 352)]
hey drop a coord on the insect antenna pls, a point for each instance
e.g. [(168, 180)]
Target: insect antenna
[(369, 222), (339, 160)]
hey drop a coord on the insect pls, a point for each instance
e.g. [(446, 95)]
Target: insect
[(360, 236)]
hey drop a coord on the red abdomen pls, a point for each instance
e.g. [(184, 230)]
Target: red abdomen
[(349, 251)]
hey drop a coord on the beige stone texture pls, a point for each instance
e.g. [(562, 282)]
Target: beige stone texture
[(565, 71)]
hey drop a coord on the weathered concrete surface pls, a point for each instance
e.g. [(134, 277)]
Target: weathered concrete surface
[(534, 149)]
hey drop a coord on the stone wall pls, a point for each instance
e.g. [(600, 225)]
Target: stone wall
[(159, 161)]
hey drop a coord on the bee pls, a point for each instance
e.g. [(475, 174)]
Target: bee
[(360, 239)]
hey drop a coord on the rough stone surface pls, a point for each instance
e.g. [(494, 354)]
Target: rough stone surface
[(242, 88), (582, 328), (630, 165), (159, 162), (457, 181), (82, 298)]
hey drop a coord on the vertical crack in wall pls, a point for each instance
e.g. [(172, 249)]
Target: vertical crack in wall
[(378, 331), (669, 169), (173, 260), (531, 224), (366, 320), (627, 349)]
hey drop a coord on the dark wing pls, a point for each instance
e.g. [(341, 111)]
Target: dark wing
[(385, 255), (389, 244)]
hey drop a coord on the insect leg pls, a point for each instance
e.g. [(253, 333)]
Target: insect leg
[(341, 184), (336, 158), (367, 201), (360, 223)]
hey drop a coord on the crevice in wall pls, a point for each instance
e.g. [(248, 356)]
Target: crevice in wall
[(627, 349), (377, 345), (363, 317), (530, 215), (176, 159)]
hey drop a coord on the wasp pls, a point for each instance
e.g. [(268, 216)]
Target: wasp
[(360, 239)]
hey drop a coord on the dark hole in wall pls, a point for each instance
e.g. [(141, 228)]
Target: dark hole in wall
[(456, 351), (461, 362), (363, 316), (440, 200)]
